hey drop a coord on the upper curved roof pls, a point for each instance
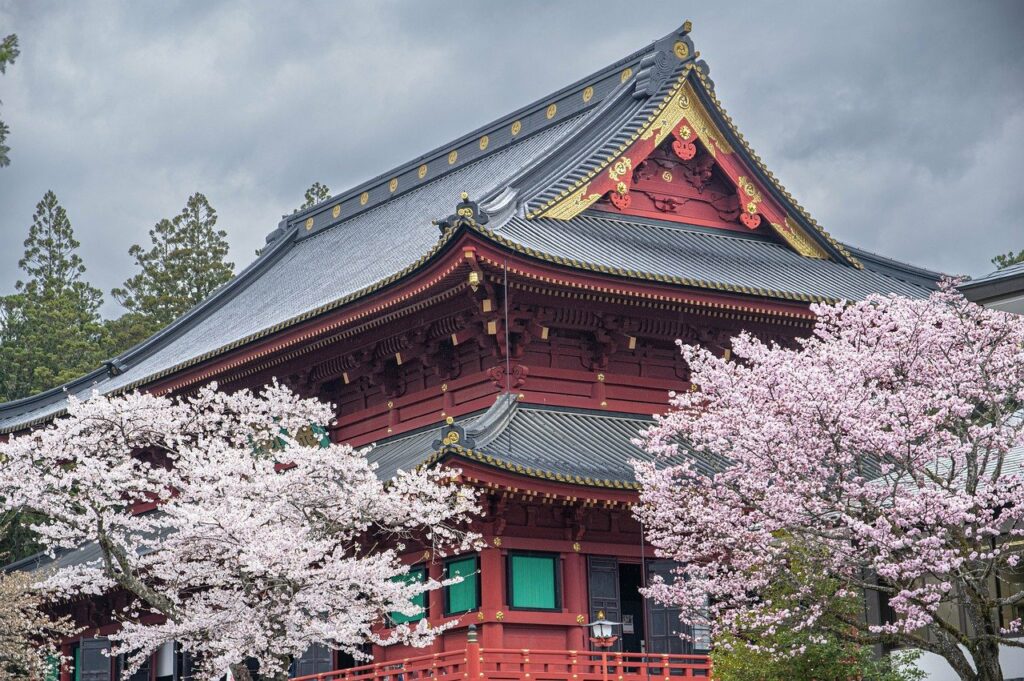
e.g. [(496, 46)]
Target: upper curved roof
[(380, 231)]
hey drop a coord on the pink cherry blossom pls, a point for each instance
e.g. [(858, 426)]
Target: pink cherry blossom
[(883, 446), (254, 550)]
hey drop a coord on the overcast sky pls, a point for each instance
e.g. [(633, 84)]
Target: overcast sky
[(899, 126)]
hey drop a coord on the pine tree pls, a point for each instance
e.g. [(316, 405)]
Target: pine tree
[(315, 194), (1004, 260), (8, 53), (50, 328), (184, 265)]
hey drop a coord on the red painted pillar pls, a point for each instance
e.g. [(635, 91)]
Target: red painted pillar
[(492, 596), (574, 580), (435, 602), (473, 666)]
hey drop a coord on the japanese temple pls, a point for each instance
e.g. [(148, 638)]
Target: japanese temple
[(509, 304)]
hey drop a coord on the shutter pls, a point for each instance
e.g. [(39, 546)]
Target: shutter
[(316, 660), (93, 663), (416, 574), (664, 621), (462, 597), (603, 584), (533, 582)]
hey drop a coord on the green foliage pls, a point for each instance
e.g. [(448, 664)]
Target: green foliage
[(50, 328), (8, 53), (828, 652), (184, 265), (827, 660), (1004, 260), (314, 195)]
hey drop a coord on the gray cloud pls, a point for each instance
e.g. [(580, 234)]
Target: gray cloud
[(899, 126)]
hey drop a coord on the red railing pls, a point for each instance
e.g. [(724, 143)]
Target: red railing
[(496, 664)]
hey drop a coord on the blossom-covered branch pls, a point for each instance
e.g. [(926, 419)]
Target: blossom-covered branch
[(885, 447), (265, 539)]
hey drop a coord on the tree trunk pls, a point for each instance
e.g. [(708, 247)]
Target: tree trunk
[(986, 659), (240, 672)]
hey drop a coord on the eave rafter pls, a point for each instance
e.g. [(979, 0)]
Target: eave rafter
[(684, 118)]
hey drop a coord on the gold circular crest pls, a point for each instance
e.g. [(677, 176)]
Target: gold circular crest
[(422, 171), (667, 176), (484, 141), (309, 224), (627, 73), (453, 157), (588, 93), (363, 198), (681, 49), (516, 127), (336, 211), (393, 184), (552, 110), (580, 619)]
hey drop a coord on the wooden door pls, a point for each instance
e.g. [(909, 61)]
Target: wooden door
[(603, 583), (664, 636), (93, 663)]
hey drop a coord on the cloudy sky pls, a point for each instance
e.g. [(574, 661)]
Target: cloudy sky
[(900, 126)]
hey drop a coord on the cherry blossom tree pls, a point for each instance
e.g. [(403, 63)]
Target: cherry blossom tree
[(881, 452), (26, 630), (265, 538)]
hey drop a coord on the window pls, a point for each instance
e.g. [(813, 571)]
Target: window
[(533, 581), (416, 574), (464, 596)]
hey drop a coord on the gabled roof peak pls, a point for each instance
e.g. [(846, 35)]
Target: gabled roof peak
[(641, 74)]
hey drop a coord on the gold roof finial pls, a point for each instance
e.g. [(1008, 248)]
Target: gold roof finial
[(687, 26), (465, 196)]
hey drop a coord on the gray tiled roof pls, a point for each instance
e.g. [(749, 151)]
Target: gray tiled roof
[(304, 278), (696, 256), (566, 445), (334, 252)]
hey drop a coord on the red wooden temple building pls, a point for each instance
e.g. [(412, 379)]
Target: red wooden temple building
[(509, 304)]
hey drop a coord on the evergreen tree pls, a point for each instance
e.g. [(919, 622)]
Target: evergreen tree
[(184, 265), (315, 194), (50, 328), (1004, 260), (8, 53)]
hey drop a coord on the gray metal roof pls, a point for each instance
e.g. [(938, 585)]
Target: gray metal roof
[(375, 233), (695, 256), (564, 445), (307, 277)]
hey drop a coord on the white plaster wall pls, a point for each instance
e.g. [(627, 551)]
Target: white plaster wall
[(1011, 659)]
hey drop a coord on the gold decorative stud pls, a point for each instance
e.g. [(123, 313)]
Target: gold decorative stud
[(580, 619), (480, 616), (516, 127), (667, 176), (499, 615), (681, 49), (484, 141), (600, 378), (626, 74), (496, 541), (363, 198), (309, 224), (336, 211), (444, 387), (552, 110), (576, 546), (588, 94), (449, 420), (421, 172), (393, 184), (391, 404), (453, 157)]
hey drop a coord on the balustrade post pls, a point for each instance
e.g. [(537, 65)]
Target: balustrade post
[(473, 670)]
